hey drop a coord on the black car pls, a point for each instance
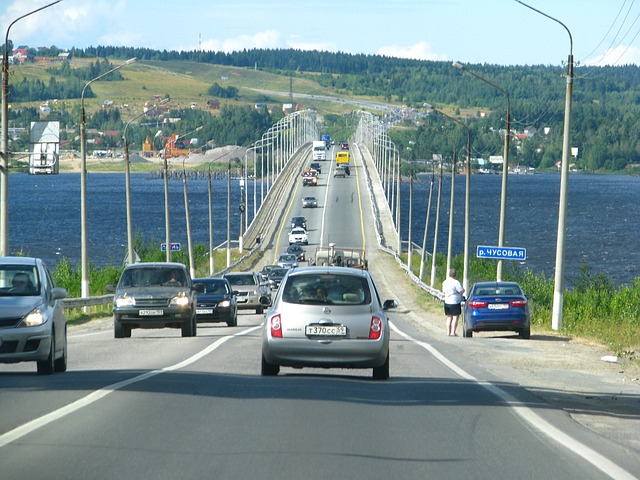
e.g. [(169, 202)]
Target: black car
[(298, 251), (216, 302), (298, 222), (316, 166), (276, 276)]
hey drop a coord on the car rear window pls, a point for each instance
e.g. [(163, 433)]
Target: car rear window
[(326, 289)]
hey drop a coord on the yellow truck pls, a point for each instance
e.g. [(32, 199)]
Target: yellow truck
[(342, 158)]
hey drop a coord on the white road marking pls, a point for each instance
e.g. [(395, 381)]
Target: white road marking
[(529, 416), (87, 400)]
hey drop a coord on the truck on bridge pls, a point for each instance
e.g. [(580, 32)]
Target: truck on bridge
[(339, 257), (319, 150)]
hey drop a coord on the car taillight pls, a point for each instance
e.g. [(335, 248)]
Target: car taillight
[(276, 327), (477, 304), (518, 303), (375, 330)]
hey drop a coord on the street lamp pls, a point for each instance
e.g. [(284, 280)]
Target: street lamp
[(192, 267), (467, 201), (505, 166), (167, 227), (127, 172), (4, 167), (83, 182), (558, 290)]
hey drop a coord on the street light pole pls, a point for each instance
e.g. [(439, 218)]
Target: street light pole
[(467, 201), (127, 172), (84, 258), (167, 215), (558, 289), (4, 167), (505, 165)]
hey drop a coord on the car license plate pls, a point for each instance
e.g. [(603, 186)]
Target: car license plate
[(498, 306), (326, 330), (204, 311), (150, 313)]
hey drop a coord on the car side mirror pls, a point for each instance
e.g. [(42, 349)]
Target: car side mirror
[(110, 288), (389, 304), (265, 301)]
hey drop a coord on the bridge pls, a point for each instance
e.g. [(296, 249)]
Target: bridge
[(358, 211)]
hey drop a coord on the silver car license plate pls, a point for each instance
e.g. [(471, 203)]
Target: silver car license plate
[(326, 330), (204, 311), (150, 313)]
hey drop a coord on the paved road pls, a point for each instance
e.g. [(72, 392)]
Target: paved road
[(161, 406)]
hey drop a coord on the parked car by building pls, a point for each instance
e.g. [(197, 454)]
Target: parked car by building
[(327, 317), (496, 306), (248, 288), (154, 295), (33, 327), (216, 302)]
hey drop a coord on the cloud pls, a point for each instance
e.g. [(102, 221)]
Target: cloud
[(419, 51), (265, 39), (620, 55)]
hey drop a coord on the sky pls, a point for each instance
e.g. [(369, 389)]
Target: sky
[(502, 32)]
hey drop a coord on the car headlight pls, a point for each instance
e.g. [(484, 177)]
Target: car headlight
[(181, 301), (125, 301), (34, 318), (225, 304)]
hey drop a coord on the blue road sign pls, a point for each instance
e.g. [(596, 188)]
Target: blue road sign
[(502, 253), (175, 247)]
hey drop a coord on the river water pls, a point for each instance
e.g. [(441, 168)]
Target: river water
[(602, 217)]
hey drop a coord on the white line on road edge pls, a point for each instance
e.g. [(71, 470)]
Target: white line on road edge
[(529, 416), (40, 422)]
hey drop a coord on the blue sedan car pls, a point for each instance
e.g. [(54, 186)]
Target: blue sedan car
[(496, 306)]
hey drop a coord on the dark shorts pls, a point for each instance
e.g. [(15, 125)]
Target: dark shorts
[(452, 309)]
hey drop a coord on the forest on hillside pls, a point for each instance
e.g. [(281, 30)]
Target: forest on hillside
[(605, 112)]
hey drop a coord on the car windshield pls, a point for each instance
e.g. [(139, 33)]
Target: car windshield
[(19, 280), (326, 289), (213, 287), (146, 277), (492, 290), (243, 279)]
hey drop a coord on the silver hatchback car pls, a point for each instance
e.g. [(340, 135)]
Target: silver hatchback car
[(33, 326), (327, 317)]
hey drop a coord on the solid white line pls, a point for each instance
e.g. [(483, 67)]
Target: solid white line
[(529, 416), (87, 400)]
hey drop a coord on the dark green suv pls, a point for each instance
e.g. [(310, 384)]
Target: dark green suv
[(155, 295)]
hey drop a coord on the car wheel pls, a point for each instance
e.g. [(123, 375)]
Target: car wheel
[(269, 369), (120, 330), (60, 364), (260, 310), (467, 332), (382, 372), (233, 320), (189, 327), (525, 333), (47, 367)]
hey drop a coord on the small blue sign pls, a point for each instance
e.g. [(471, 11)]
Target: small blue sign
[(175, 247), (502, 253)]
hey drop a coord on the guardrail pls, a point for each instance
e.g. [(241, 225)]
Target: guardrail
[(103, 303)]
